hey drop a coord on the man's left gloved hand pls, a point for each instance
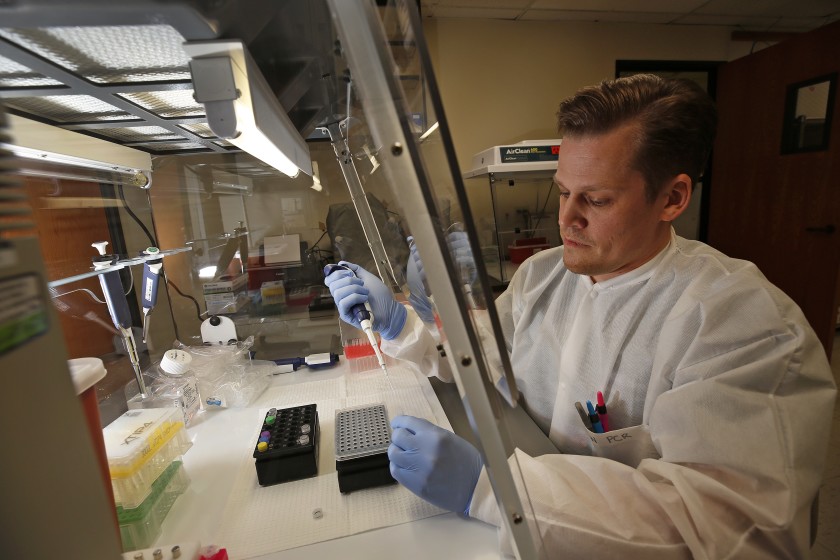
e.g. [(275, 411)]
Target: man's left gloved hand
[(437, 465)]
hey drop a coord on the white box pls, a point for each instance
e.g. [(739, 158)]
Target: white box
[(221, 303), (279, 249), (234, 284)]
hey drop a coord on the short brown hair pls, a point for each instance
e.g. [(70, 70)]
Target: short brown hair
[(676, 122)]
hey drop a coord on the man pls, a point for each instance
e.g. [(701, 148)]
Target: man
[(710, 372)]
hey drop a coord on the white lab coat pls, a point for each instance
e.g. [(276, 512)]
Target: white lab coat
[(719, 395)]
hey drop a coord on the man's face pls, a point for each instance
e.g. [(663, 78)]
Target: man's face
[(607, 224)]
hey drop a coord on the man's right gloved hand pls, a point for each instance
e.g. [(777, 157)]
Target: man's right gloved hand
[(349, 290), (459, 246)]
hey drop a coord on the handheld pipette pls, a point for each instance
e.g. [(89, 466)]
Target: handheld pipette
[(151, 278), (112, 289), (363, 314), (459, 247)]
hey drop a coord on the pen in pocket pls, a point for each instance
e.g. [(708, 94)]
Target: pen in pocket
[(584, 417), (602, 412)]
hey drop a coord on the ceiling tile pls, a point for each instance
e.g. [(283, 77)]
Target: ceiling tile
[(741, 7), (756, 22), (574, 15), (503, 4), (474, 13), (649, 6), (802, 24), (791, 8)]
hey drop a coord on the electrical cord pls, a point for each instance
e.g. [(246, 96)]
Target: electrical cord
[(131, 213), (197, 306), (152, 240), (314, 245), (89, 292)]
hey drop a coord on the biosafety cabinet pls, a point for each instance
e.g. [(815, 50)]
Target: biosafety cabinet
[(169, 165), (524, 201)]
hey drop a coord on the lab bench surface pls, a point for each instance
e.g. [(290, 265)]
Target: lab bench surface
[(214, 462)]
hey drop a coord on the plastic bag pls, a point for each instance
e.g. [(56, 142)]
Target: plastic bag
[(227, 377)]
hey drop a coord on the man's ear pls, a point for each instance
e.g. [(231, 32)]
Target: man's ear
[(677, 196)]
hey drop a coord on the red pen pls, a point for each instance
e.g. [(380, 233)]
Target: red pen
[(602, 412)]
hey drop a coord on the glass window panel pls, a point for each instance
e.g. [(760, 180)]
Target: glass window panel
[(808, 114)]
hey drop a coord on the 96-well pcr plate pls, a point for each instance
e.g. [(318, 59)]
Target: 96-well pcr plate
[(362, 437)]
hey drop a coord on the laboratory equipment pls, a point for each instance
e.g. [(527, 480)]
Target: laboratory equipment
[(189, 550), (525, 203), (364, 316), (141, 526), (287, 448), (362, 437), (227, 376), (218, 330), (86, 373), (169, 382), (149, 288), (112, 289), (140, 445), (313, 361), (144, 449), (358, 352)]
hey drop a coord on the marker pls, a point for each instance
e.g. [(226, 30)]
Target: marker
[(583, 416), (602, 412), (593, 417)]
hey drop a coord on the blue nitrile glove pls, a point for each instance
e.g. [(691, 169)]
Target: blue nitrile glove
[(348, 290), (434, 463), (417, 295), (459, 246)]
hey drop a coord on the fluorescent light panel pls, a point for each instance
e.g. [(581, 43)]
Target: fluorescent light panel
[(242, 109), (42, 142)]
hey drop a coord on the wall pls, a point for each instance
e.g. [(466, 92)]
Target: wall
[(501, 81)]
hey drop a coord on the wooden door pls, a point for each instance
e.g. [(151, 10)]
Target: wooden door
[(780, 210)]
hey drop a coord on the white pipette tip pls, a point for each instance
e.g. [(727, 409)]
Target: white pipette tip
[(368, 330)]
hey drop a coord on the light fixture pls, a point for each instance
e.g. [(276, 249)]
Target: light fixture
[(207, 272), (374, 163), (429, 132), (49, 151), (241, 107), (316, 178)]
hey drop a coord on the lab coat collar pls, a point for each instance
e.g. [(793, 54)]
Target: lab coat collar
[(635, 276)]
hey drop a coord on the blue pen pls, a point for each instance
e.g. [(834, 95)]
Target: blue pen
[(593, 417)]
